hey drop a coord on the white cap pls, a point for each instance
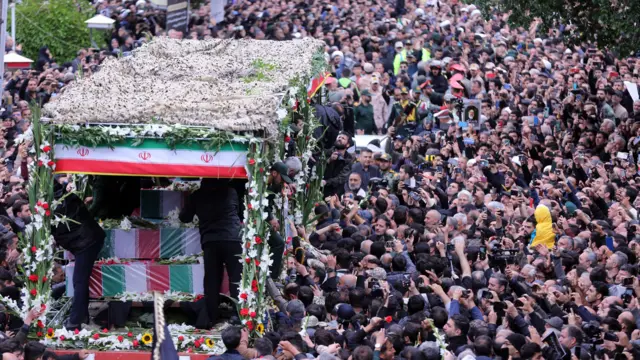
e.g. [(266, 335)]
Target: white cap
[(337, 53), (445, 23), (547, 64), (568, 51), (516, 160), (475, 12), (398, 44)]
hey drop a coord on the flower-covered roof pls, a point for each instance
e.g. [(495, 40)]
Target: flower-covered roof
[(233, 85)]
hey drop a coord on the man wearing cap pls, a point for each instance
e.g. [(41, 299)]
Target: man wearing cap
[(438, 82), (365, 124), (387, 172), (401, 55)]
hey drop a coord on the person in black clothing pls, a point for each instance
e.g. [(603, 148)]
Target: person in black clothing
[(84, 238), (339, 163), (217, 206)]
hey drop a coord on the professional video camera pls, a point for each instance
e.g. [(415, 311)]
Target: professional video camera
[(500, 257)]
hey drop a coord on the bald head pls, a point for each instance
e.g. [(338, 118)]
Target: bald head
[(348, 281), (365, 246), (386, 258), (9, 356), (433, 218)]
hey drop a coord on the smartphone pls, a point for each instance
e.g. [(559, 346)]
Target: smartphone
[(533, 138), (388, 244), (482, 255), (610, 336), (608, 167), (546, 112), (627, 281), (553, 167), (536, 121), (414, 195), (468, 141)]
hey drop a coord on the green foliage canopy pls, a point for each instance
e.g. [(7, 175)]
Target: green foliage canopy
[(58, 24), (612, 24)]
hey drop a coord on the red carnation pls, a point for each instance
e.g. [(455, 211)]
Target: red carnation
[(250, 325), (252, 162), (45, 206), (96, 336), (34, 249), (289, 239), (258, 240), (248, 260), (40, 163), (244, 312), (39, 334), (287, 139), (61, 337), (130, 334), (44, 279), (257, 262), (244, 296), (317, 204), (120, 338), (47, 213), (180, 338), (76, 331), (44, 306), (135, 343), (50, 163), (196, 343), (50, 331), (253, 314), (248, 245), (38, 203), (33, 278), (40, 324), (105, 330), (46, 148), (388, 319), (34, 292), (261, 170), (249, 206), (254, 282), (189, 350)]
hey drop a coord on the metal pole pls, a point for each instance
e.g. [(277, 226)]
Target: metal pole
[(3, 39), (13, 25)]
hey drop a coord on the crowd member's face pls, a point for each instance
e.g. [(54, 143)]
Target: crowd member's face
[(450, 329), (366, 158), (565, 339), (592, 295), (453, 189), (494, 285), (380, 227), (384, 165), (24, 213), (354, 182)]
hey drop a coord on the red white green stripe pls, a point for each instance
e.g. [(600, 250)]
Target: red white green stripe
[(153, 158), (151, 244), (113, 280)]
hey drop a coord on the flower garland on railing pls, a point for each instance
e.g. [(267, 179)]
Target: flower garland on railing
[(168, 295), (37, 241), (256, 259), (186, 338)]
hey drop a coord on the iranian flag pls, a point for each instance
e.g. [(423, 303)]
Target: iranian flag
[(139, 277), (164, 243), (153, 158)]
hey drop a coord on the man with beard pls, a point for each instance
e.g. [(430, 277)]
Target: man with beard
[(355, 185), (218, 207), (456, 329), (387, 173), (338, 166), (21, 213)]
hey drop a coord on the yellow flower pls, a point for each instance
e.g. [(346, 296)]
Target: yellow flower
[(260, 328), (49, 336), (147, 339), (209, 342)]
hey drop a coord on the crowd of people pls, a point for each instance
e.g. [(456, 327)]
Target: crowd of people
[(495, 216)]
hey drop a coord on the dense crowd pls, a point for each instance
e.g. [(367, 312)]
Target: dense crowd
[(495, 216)]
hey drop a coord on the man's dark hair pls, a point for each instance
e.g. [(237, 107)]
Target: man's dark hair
[(305, 294), (33, 350), (377, 249), (576, 333), (529, 349), (416, 304), (439, 316), (408, 169), (231, 337), (356, 297), (295, 339), (598, 274), (323, 337), (631, 193), (601, 288), (263, 346), (362, 353), (12, 346), (398, 263), (291, 289), (343, 259), (17, 206), (461, 323), (483, 346), (317, 310)]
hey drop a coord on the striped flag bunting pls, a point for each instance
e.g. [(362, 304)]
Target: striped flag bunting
[(113, 280)]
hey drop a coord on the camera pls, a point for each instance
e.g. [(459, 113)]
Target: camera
[(374, 284), (450, 247), (503, 257), (487, 295), (627, 296)]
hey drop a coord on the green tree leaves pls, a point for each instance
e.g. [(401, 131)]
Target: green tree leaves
[(58, 24), (611, 24)]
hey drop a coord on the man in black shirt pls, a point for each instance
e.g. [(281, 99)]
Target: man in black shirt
[(217, 205)]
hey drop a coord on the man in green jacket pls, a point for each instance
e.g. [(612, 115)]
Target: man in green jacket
[(365, 123)]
